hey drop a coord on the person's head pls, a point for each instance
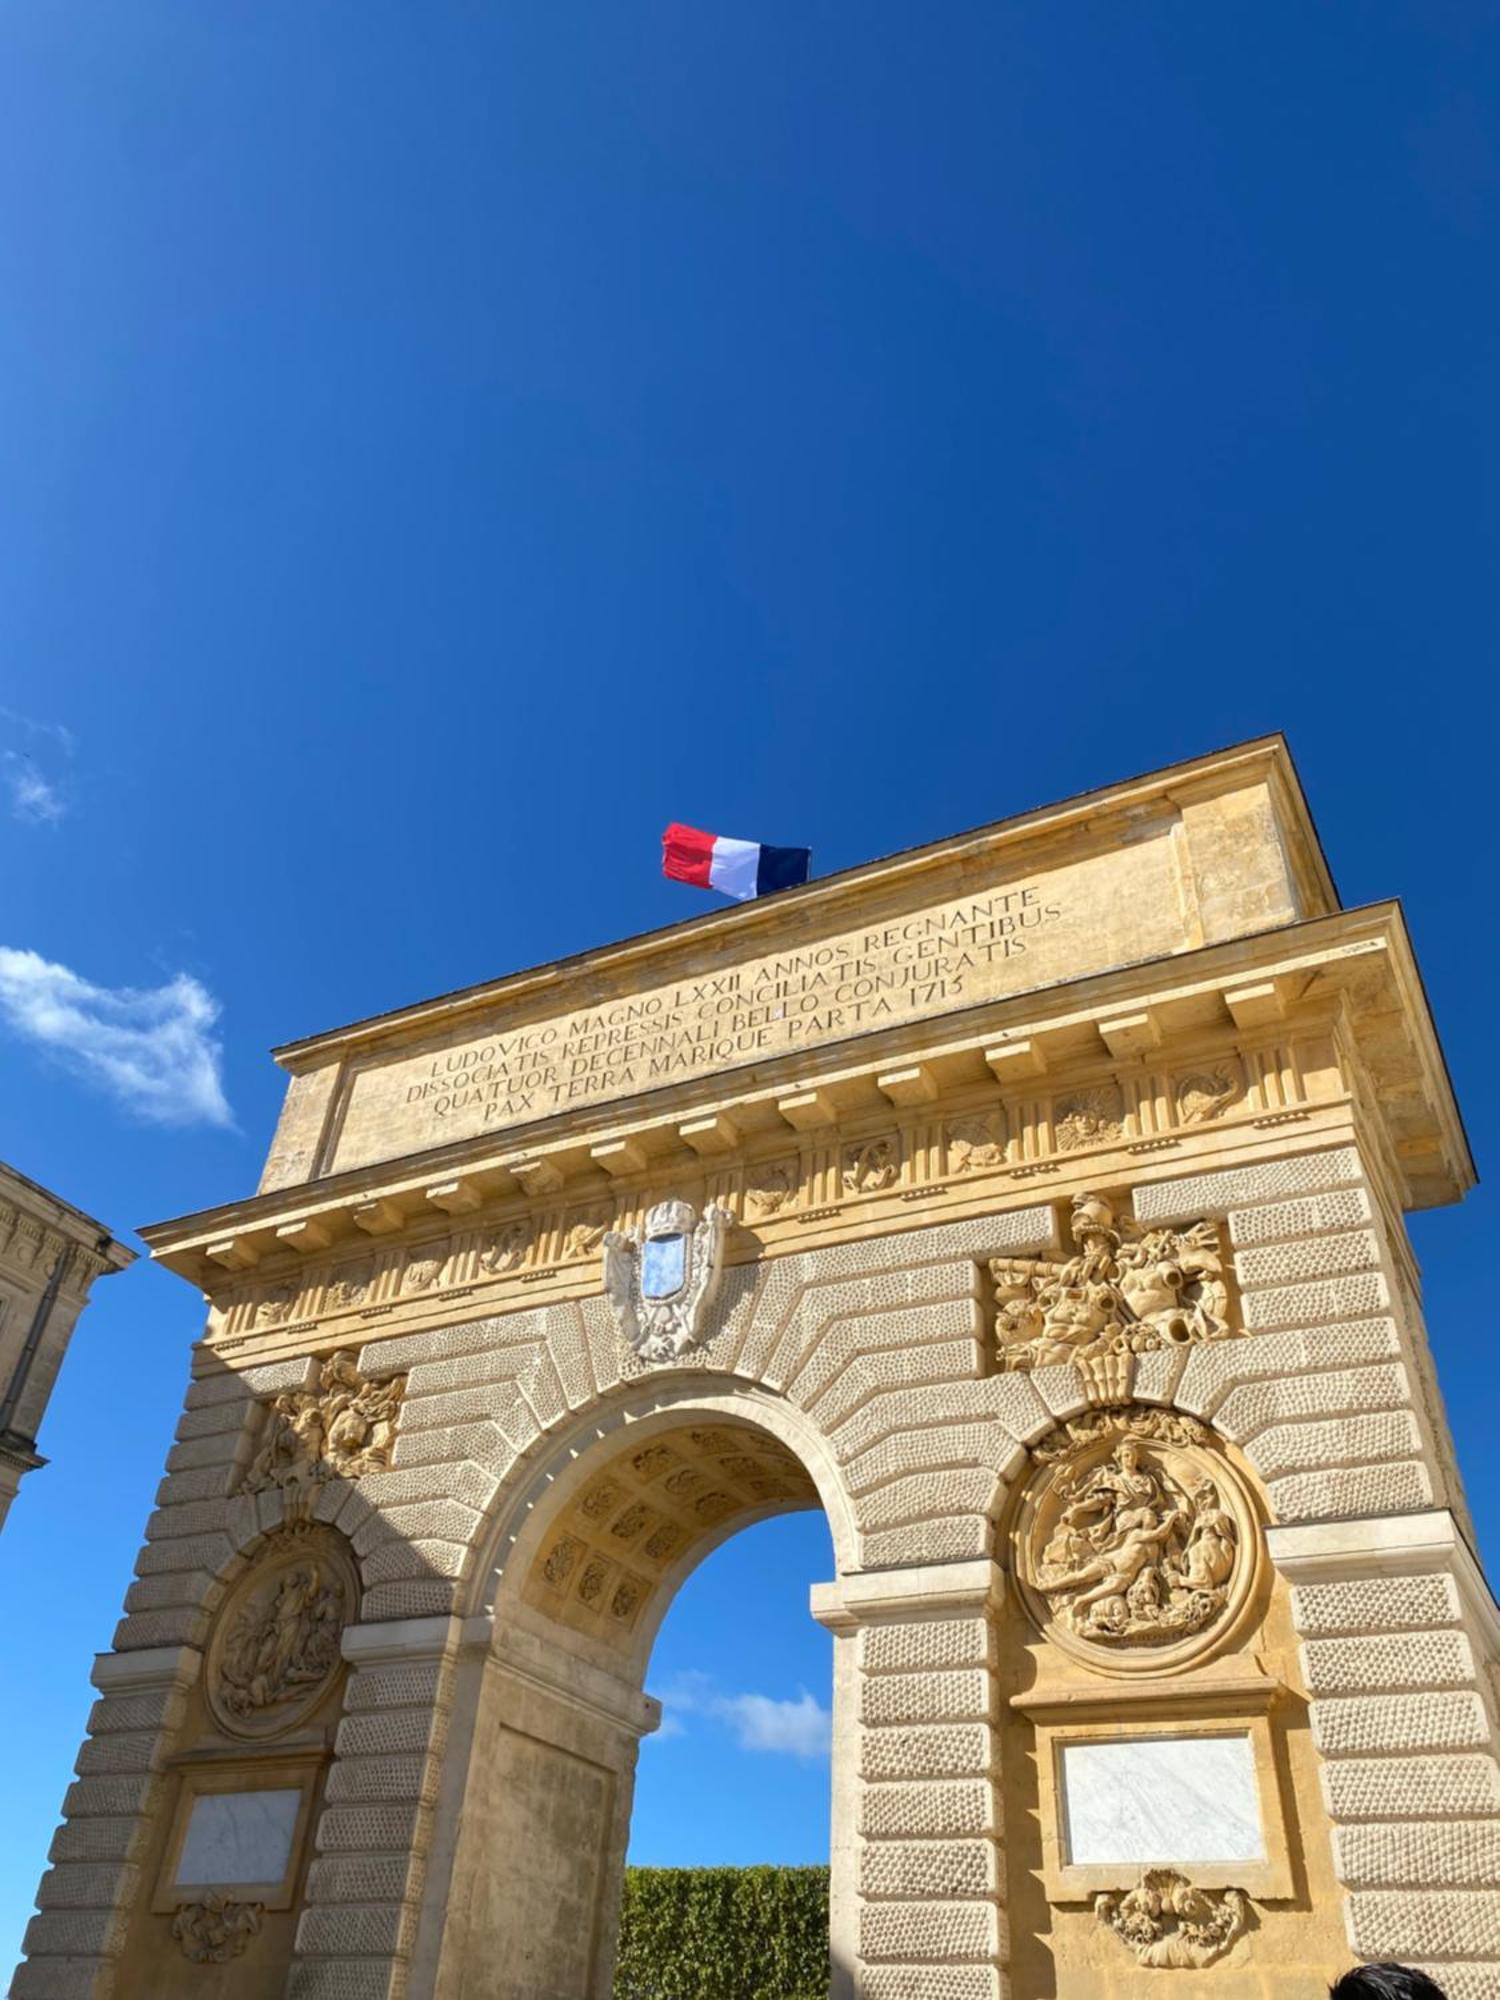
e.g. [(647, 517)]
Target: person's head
[(1385, 1982)]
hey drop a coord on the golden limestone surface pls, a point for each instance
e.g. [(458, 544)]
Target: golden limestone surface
[(1031, 1204)]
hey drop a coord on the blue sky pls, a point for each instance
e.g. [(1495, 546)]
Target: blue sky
[(440, 445)]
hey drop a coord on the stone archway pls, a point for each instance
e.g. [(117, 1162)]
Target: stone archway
[(1105, 1116), (578, 1571)]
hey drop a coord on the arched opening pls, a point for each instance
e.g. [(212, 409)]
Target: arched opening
[(531, 1829)]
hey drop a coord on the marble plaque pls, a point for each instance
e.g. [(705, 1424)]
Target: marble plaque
[(1143, 1800), (238, 1837)]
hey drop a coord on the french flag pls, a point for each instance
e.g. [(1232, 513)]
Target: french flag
[(739, 868)]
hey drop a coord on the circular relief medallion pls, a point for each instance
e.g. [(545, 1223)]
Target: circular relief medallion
[(276, 1646), (1135, 1544)]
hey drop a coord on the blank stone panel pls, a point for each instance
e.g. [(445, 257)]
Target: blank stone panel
[(1164, 1799)]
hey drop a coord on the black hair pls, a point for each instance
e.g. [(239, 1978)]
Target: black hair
[(1385, 1982)]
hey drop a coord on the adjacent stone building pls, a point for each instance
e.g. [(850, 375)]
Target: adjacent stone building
[(1032, 1203), (50, 1254)]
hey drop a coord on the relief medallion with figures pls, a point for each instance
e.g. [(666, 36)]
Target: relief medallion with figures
[(1135, 1545)]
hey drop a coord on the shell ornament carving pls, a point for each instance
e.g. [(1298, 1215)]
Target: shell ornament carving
[(1135, 1544), (1169, 1923)]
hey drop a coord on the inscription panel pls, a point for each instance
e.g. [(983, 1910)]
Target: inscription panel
[(1113, 908)]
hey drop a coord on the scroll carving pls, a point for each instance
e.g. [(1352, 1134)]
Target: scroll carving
[(1134, 1538), (216, 1928), (344, 1427), (1125, 1290), (277, 1644), (1167, 1922)]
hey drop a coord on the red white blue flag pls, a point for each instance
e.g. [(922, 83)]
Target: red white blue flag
[(738, 868)]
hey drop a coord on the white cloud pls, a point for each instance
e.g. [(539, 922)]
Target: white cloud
[(800, 1728), (151, 1048), (33, 798)]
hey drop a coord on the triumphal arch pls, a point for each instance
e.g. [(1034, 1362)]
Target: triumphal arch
[(1032, 1204)]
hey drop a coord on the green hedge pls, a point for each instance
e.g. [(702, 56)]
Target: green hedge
[(724, 1934)]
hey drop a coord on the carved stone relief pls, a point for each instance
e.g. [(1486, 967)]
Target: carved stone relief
[(276, 1305), (422, 1271), (583, 1234), (1125, 1290), (216, 1928), (1135, 1544), (662, 1286), (351, 1286), (1207, 1093), (276, 1646), (1167, 1922), (771, 1188), (343, 1427), (975, 1145), (1088, 1117), (506, 1249), (872, 1165)]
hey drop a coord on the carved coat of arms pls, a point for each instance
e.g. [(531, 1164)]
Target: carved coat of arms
[(661, 1286)]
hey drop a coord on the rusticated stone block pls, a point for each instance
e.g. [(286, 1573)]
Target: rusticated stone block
[(1412, 1787), (920, 1870), (939, 1931), (945, 1752), (1375, 1604), (949, 1809), (907, 1698), (1314, 1215), (1444, 1853), (1237, 1187), (1439, 1923), (928, 1643), (1368, 1665), (1362, 1725)]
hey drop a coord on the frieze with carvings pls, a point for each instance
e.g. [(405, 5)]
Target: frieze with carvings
[(1135, 1544), (1168, 1923), (275, 1649), (340, 1429), (216, 1928), (1125, 1290)]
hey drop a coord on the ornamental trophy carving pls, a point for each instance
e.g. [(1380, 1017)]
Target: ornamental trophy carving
[(276, 1648), (1168, 1922), (1124, 1291), (216, 1929), (662, 1286), (1135, 1542), (343, 1427)]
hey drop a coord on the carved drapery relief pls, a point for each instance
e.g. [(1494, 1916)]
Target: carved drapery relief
[(342, 1428), (1125, 1290), (216, 1928), (1167, 1922), (872, 1165), (276, 1647), (1135, 1542), (662, 1286)]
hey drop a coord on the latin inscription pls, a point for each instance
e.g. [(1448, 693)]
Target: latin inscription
[(913, 966), (1117, 904)]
